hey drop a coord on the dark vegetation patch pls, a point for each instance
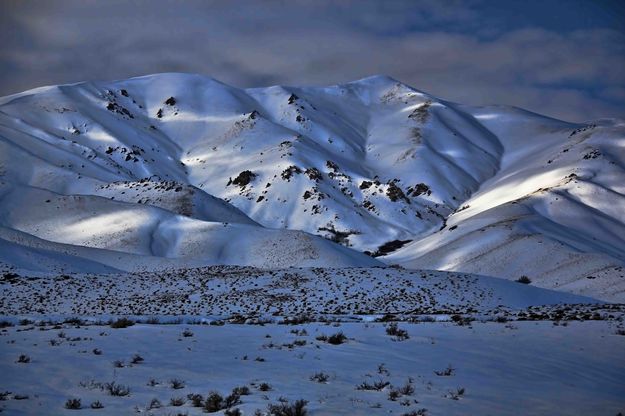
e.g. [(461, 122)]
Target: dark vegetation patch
[(73, 404), (388, 247), (243, 178), (365, 185), (289, 172), (314, 174), (331, 165), (122, 323), (116, 108), (395, 193), (593, 154), (298, 408), (399, 334), (369, 205), (293, 98), (419, 189), (334, 339), (421, 113), (341, 237), (582, 129)]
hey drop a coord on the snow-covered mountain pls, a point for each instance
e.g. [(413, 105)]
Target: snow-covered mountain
[(176, 169)]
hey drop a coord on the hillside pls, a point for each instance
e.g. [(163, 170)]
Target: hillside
[(178, 170)]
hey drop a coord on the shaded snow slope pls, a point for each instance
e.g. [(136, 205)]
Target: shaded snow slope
[(554, 212), (165, 160), (52, 229)]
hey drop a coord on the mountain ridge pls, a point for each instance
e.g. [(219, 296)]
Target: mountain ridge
[(366, 164)]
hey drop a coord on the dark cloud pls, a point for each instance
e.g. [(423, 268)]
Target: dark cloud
[(472, 52)]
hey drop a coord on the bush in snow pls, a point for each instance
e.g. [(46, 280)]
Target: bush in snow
[(73, 404), (176, 383), (177, 401), (232, 400), (187, 333), (97, 405), (214, 402), (320, 377), (407, 389), (155, 404), (449, 371), (378, 385), (264, 387), (115, 389), (136, 359), (23, 358), (455, 395), (393, 330), (334, 339), (419, 412), (285, 409), (241, 391), (196, 399), (122, 323)]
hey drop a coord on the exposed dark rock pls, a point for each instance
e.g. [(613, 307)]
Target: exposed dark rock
[(341, 237), (314, 174), (331, 165), (365, 185), (244, 178), (289, 172), (421, 113), (419, 189), (395, 193), (389, 247)]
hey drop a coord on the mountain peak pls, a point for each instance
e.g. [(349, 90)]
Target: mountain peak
[(181, 169)]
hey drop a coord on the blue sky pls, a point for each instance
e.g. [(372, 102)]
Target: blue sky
[(561, 58)]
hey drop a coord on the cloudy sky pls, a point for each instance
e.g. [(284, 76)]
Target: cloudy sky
[(561, 58)]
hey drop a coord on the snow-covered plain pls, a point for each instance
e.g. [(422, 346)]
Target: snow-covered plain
[(517, 368), (495, 344)]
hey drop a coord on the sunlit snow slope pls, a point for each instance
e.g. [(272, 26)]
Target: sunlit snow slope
[(148, 171)]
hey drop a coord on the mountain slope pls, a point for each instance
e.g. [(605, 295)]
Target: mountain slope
[(373, 164), (555, 211)]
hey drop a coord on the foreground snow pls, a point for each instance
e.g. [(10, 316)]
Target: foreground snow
[(426, 342), (534, 368)]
